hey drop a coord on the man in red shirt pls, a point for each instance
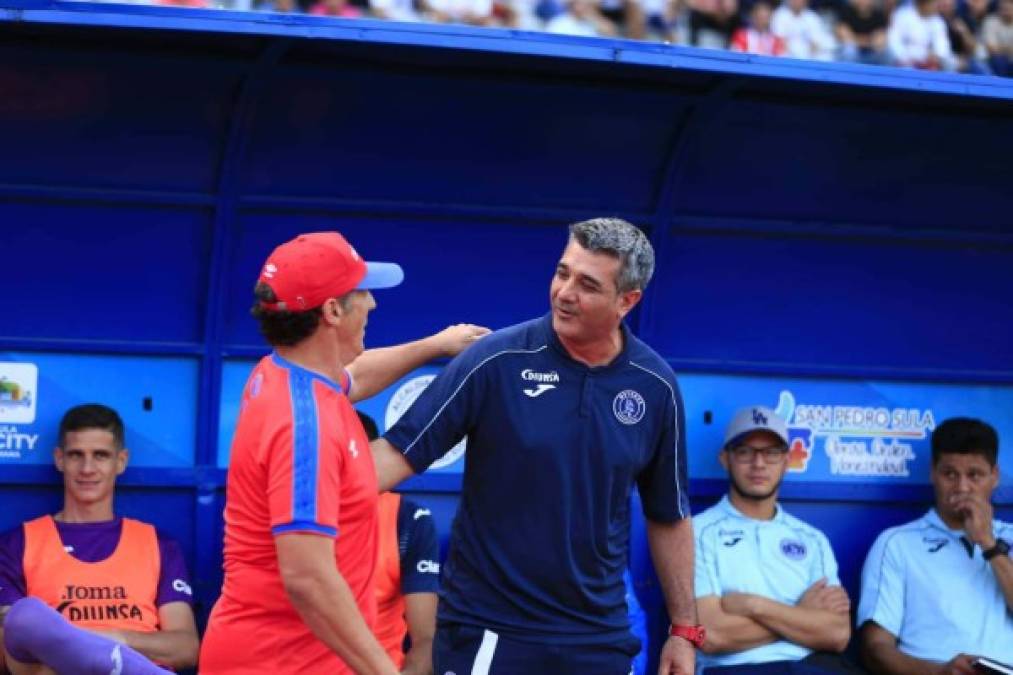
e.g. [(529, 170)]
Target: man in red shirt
[(301, 502)]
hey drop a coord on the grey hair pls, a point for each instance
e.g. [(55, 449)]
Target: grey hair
[(623, 240)]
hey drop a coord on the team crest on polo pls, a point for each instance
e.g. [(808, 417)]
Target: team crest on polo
[(629, 406), (792, 549)]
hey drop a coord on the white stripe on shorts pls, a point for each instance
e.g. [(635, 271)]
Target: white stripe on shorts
[(483, 657)]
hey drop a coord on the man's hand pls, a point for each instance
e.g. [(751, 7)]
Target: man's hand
[(453, 340), (977, 514), (830, 598), (678, 657), (961, 664)]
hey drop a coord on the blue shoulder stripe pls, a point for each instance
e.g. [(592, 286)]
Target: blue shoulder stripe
[(303, 526), (305, 462)]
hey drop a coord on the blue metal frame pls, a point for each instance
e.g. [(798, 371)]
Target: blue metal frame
[(227, 205)]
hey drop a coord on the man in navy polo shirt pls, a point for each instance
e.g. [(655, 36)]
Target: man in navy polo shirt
[(564, 415)]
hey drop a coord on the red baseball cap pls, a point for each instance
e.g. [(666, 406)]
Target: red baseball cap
[(312, 268)]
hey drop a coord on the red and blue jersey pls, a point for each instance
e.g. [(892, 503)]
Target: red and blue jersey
[(300, 463)]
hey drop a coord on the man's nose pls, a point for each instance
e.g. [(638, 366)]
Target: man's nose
[(566, 291)]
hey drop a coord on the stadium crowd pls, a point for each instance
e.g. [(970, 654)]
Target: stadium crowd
[(968, 36)]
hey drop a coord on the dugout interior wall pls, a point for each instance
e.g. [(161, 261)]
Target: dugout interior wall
[(833, 240)]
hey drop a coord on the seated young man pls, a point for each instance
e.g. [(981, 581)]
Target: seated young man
[(938, 592), (407, 578), (85, 591), (766, 582)]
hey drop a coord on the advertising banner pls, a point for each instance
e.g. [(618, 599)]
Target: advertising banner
[(155, 396)]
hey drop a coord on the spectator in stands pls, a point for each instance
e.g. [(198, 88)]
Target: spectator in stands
[(581, 17), (629, 15), (757, 38), (85, 589), (200, 4), (525, 14), (666, 19), (407, 578), (712, 22), (917, 37), (337, 8), (861, 32), (940, 588), (997, 34), (963, 42), (974, 12), (396, 10), (281, 6), (472, 12), (803, 31), (766, 582)]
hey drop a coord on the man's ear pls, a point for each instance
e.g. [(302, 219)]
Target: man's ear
[(122, 457), (723, 458), (58, 458), (628, 300), (331, 312)]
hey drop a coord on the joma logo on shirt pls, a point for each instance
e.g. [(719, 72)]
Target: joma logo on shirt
[(71, 592), (93, 603), (532, 376), (99, 612)]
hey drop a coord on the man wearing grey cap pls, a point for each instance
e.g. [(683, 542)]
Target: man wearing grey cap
[(766, 583)]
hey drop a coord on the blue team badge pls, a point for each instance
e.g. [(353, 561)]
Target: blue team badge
[(793, 550), (629, 407)]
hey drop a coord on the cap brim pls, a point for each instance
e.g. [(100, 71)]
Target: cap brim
[(381, 275), (742, 434)]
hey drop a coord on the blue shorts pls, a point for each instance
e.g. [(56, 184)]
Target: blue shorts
[(470, 650)]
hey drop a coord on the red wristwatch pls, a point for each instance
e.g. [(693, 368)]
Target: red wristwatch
[(695, 634)]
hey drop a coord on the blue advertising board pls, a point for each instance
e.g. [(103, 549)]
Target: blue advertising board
[(843, 430), (155, 396)]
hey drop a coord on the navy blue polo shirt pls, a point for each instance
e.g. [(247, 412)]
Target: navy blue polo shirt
[(540, 539)]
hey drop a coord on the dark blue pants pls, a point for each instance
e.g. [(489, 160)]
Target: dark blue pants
[(469, 650)]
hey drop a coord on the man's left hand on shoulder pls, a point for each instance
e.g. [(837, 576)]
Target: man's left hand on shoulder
[(455, 339), (678, 657)]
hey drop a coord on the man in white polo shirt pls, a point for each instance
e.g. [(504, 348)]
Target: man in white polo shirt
[(938, 592), (766, 583)]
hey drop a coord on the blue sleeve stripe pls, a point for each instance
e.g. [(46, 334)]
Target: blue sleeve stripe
[(305, 460), (303, 526), (680, 495)]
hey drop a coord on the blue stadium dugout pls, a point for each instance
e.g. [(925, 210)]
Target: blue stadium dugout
[(835, 240)]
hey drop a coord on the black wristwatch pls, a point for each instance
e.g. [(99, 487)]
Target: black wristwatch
[(1001, 548)]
